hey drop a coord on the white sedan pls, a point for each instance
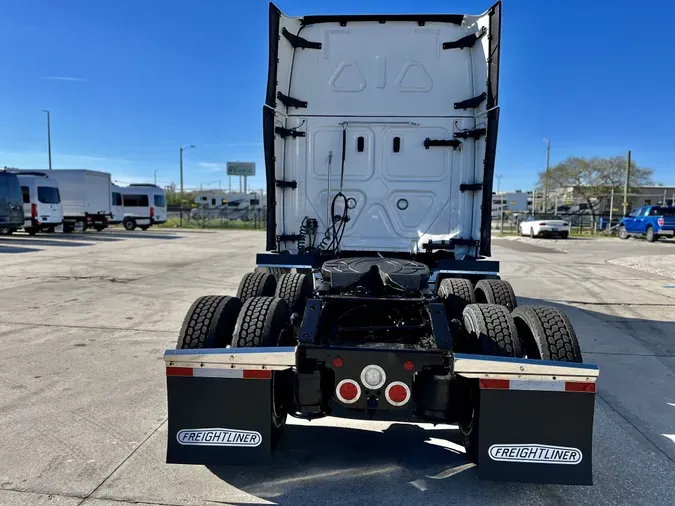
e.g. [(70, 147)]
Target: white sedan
[(544, 227)]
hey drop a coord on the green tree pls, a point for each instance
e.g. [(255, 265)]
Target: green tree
[(593, 178)]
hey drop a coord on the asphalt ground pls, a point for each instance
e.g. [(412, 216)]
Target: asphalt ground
[(85, 318)]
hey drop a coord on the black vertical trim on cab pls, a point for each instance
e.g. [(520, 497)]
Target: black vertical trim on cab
[(268, 125), (268, 148), (273, 55), (488, 177), (494, 39)]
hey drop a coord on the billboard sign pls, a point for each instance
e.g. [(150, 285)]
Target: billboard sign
[(241, 168)]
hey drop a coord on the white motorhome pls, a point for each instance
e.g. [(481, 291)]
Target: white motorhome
[(144, 205), (85, 197), (42, 206), (116, 206)]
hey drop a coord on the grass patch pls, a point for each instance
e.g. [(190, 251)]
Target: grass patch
[(214, 224)]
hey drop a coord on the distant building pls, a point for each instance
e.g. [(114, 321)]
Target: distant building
[(509, 203)]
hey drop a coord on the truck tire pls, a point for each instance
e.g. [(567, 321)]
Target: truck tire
[(263, 322), (31, 230), (129, 224), (209, 323), (277, 272), (623, 233), (496, 291), (99, 228), (295, 289), (651, 235), (546, 334), (456, 294), (493, 328), (256, 284), (145, 227)]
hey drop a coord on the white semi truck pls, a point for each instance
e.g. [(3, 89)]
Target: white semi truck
[(375, 298)]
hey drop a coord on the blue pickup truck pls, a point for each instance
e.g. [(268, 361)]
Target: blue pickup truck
[(651, 221)]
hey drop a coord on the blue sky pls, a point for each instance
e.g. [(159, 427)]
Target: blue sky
[(129, 81)]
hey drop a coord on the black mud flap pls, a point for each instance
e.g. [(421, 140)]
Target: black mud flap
[(536, 431), (219, 416)]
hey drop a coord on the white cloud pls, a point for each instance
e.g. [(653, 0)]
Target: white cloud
[(62, 78)]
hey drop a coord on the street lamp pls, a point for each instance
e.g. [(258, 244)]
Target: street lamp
[(49, 138), (183, 148), (155, 177)]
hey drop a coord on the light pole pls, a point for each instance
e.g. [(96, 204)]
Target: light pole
[(548, 156), (155, 177), (49, 138), (183, 148)]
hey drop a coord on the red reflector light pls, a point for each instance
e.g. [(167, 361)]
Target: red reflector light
[(542, 224), (257, 374), (152, 212), (495, 384), (33, 211), (408, 365), (397, 393), (179, 371), (348, 391), (337, 362), (574, 386)]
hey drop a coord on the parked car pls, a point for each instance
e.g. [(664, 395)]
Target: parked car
[(42, 208), (650, 221), (11, 204), (116, 206), (535, 226), (144, 205)]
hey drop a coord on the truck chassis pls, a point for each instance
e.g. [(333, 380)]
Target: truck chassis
[(371, 337)]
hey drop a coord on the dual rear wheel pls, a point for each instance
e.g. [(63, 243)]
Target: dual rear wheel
[(534, 332)]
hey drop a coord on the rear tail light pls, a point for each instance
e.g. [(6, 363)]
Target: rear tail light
[(397, 393), (33, 211), (661, 222), (348, 391), (152, 212), (373, 377)]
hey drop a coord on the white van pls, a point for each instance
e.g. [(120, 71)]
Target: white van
[(144, 205), (117, 206), (42, 208)]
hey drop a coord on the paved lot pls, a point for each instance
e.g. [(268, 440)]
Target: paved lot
[(84, 321)]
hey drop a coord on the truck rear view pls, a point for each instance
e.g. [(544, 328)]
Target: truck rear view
[(374, 298), (397, 113)]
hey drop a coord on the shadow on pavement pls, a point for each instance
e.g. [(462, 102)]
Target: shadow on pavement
[(79, 236), (313, 462), (142, 235), (19, 249), (45, 242)]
